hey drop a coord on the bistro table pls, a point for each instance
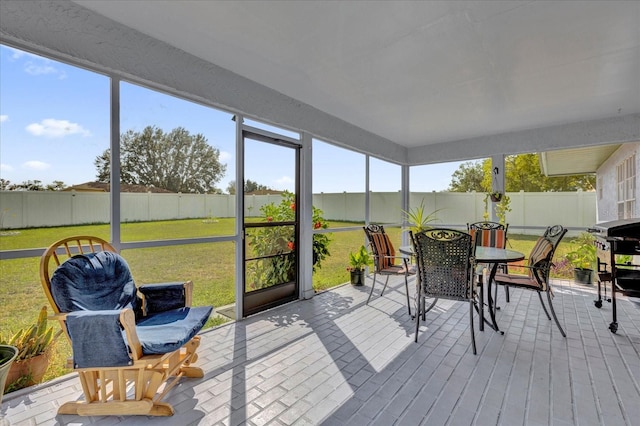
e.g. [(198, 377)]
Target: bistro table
[(485, 255)]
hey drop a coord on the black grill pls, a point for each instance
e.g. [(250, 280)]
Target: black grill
[(618, 237)]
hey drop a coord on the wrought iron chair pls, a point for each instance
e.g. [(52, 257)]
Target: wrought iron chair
[(384, 260), (490, 234), (127, 341), (445, 260), (538, 269)]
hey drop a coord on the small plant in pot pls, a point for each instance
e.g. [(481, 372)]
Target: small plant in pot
[(34, 345), (358, 261), (583, 257)]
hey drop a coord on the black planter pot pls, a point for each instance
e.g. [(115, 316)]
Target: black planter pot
[(496, 197), (583, 276), (357, 277)]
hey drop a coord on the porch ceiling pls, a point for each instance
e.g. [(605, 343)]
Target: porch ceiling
[(419, 72)]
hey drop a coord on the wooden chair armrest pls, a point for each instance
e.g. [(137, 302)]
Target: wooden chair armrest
[(128, 321), (188, 293)]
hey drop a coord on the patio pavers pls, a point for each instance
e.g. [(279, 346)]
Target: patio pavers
[(333, 360)]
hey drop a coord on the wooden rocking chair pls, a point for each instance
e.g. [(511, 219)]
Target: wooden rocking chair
[(130, 344)]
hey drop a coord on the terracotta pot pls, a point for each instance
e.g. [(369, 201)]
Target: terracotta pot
[(32, 369)]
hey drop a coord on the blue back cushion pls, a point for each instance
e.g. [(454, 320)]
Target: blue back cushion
[(94, 281)]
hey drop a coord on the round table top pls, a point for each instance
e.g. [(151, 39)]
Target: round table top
[(484, 254), (498, 255)]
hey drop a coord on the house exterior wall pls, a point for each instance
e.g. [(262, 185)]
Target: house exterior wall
[(606, 176)]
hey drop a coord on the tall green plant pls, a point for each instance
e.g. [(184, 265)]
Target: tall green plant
[(418, 219), (584, 253)]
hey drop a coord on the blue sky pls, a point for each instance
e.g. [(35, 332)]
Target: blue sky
[(54, 122)]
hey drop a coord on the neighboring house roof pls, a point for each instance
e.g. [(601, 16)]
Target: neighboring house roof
[(575, 161), (105, 187)]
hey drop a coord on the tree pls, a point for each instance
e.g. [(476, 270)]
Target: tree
[(231, 188), (467, 178), (57, 185), (176, 161), (28, 185), (522, 173), (4, 184), (249, 186)]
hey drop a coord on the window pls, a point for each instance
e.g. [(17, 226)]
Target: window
[(627, 188), (599, 185), (170, 193)]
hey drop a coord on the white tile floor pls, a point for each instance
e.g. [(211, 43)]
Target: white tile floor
[(333, 360)]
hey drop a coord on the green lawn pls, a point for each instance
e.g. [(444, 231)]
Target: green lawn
[(210, 266)]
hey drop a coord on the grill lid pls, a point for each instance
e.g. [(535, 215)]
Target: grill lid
[(623, 228)]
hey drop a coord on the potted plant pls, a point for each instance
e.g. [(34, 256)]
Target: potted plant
[(8, 354), (583, 258), (495, 196), (418, 219), (357, 262), (502, 206), (34, 351)]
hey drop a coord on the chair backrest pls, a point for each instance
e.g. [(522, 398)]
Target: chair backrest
[(381, 246), (444, 258), (63, 250), (94, 282), (541, 254), (488, 234)]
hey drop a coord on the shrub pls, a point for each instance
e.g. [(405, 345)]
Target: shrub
[(274, 246)]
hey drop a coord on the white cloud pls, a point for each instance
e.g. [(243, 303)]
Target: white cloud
[(36, 65), (3, 118), (225, 156), (40, 69), (52, 128), (6, 167), (36, 165)]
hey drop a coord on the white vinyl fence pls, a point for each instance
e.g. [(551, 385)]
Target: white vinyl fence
[(33, 209)]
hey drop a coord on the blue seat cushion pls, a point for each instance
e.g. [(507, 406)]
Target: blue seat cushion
[(167, 331)]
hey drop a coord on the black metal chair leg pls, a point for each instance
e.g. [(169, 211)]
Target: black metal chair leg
[(473, 336), (373, 284), (553, 311), (385, 285), (543, 306), (406, 290), (420, 308)]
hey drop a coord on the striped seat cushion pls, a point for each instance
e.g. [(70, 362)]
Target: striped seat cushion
[(489, 237)]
